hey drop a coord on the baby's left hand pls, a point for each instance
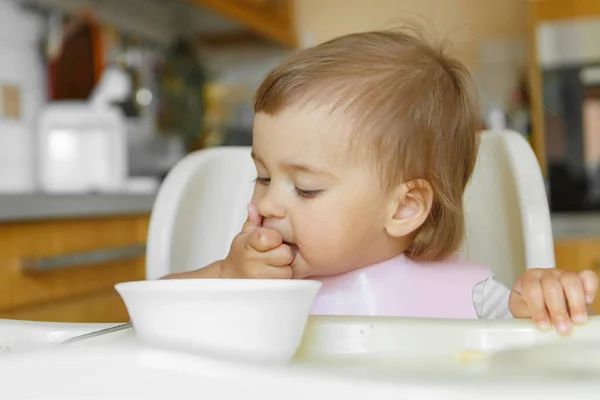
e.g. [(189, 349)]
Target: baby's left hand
[(553, 297)]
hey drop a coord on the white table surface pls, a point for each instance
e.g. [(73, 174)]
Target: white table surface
[(117, 366)]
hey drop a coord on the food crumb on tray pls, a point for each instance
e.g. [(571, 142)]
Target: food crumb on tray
[(470, 356)]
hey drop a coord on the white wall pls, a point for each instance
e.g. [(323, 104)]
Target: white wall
[(469, 22), (20, 67), (488, 35)]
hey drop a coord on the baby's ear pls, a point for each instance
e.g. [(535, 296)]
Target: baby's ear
[(411, 205)]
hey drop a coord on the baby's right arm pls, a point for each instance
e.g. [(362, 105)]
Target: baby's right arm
[(256, 252), (211, 271)]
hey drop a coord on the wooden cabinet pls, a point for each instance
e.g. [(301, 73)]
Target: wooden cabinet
[(578, 255), (272, 19), (66, 270), (105, 306)]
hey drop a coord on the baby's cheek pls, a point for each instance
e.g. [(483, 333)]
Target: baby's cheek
[(327, 248), (320, 235)]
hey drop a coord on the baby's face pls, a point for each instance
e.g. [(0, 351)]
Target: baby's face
[(327, 203)]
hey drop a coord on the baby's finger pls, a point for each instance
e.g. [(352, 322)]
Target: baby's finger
[(280, 256), (573, 288), (590, 285), (556, 303), (263, 239), (253, 221), (275, 273), (533, 296)]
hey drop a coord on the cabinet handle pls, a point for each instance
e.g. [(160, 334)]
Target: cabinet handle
[(41, 265)]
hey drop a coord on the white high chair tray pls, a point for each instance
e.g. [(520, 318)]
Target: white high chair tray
[(349, 358), (401, 347)]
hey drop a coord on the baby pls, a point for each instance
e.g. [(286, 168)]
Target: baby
[(363, 147)]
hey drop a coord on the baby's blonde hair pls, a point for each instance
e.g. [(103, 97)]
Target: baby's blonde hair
[(413, 108)]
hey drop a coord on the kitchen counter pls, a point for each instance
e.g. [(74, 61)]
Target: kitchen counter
[(576, 226), (22, 207)]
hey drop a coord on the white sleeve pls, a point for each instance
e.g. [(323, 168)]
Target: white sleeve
[(490, 299)]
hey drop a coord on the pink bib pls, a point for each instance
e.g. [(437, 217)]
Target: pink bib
[(400, 287)]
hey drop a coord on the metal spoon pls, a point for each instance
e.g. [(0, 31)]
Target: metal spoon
[(96, 333)]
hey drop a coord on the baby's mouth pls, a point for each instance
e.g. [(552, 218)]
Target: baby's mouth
[(293, 246)]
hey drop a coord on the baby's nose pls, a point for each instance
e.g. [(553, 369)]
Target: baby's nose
[(268, 207)]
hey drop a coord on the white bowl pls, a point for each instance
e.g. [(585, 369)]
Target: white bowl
[(256, 320)]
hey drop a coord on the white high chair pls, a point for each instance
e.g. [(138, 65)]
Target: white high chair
[(506, 208), (199, 209), (202, 204)]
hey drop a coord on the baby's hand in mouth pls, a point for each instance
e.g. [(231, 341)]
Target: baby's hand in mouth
[(258, 252), (292, 246)]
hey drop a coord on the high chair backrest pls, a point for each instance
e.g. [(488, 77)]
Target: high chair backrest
[(506, 208), (199, 209), (202, 204)]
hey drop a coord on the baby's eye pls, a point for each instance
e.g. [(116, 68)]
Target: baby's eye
[(307, 194), (263, 181)]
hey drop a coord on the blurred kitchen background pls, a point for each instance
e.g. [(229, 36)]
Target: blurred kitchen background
[(190, 69), (100, 98)]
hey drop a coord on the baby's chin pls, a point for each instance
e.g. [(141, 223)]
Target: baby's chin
[(303, 270)]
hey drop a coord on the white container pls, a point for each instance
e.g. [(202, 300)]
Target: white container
[(19, 26), (16, 161), (82, 148), (255, 320), (21, 69)]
